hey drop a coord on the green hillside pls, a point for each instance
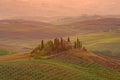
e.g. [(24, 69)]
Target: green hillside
[(55, 69), (6, 52), (61, 60), (107, 43), (70, 64)]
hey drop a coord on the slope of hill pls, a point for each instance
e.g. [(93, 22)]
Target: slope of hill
[(27, 34), (29, 30), (37, 30), (95, 25), (68, 65), (77, 55), (69, 20), (22, 29), (4, 51), (105, 43)]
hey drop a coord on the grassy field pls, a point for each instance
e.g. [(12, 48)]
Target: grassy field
[(107, 43), (67, 67), (6, 52), (59, 68), (19, 37)]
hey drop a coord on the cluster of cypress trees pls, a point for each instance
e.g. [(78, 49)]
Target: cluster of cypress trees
[(57, 45), (78, 44)]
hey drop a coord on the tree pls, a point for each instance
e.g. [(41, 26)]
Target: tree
[(48, 48), (58, 45), (78, 43), (42, 44), (75, 44), (61, 45), (77, 39), (68, 39), (61, 41)]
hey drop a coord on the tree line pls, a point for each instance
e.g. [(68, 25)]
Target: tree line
[(57, 45)]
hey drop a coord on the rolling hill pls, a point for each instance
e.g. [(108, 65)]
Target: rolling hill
[(69, 20), (19, 34), (105, 43), (95, 25), (26, 34), (68, 65), (40, 30), (22, 29)]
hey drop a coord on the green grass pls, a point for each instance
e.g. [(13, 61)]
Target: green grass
[(67, 67), (34, 71), (60, 68), (6, 52), (107, 43)]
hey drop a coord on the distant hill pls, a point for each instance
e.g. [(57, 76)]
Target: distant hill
[(30, 29), (106, 43), (27, 33), (69, 20), (25, 29), (103, 24)]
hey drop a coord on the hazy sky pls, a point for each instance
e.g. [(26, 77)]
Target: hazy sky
[(9, 8)]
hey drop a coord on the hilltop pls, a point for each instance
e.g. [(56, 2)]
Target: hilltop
[(59, 59), (61, 47), (28, 34), (68, 65), (78, 54)]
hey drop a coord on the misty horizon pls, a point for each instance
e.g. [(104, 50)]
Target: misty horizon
[(53, 8)]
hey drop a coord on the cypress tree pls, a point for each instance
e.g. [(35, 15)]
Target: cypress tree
[(75, 44), (78, 43), (51, 44), (42, 44), (68, 39), (61, 41), (56, 43), (77, 39), (60, 46)]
